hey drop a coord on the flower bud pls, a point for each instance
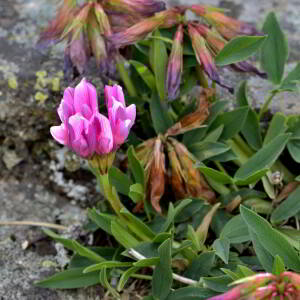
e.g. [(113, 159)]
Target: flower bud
[(121, 21), (102, 19), (143, 8), (245, 66), (157, 171), (229, 27), (79, 52), (175, 64)]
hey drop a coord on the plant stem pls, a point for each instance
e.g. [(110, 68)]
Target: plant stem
[(126, 78), (201, 77), (242, 156), (239, 140), (265, 106), (176, 277)]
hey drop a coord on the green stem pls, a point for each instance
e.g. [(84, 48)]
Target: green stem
[(242, 156), (218, 187), (110, 194), (201, 77), (266, 104), (244, 147), (126, 79)]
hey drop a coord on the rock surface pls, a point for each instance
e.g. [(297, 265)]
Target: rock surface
[(33, 184)]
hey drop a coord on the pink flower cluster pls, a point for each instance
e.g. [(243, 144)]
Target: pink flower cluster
[(84, 129)]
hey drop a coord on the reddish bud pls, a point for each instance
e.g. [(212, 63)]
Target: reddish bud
[(175, 64), (143, 8), (157, 171), (229, 27)]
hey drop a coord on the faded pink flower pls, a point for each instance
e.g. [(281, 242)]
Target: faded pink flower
[(121, 118)]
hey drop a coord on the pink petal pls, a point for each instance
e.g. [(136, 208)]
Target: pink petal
[(81, 147), (121, 132), (131, 114), (69, 96), (85, 93), (103, 134), (111, 92), (118, 94), (60, 134)]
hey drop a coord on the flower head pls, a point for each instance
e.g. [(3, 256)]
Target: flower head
[(84, 129)]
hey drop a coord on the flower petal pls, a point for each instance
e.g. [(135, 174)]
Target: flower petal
[(104, 134), (60, 134)]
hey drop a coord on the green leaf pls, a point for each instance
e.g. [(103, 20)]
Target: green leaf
[(233, 122), (264, 257), (271, 240), (277, 126), (222, 246), (213, 135), (288, 208), (147, 262), (107, 264), (125, 277), (83, 251), (278, 266), (190, 210), (251, 130), (239, 49), (241, 95), (135, 166), (294, 149), (145, 73), (214, 174), (207, 150), (138, 224), (122, 235), (102, 220), (159, 60), (162, 276), (274, 51), (159, 114), (104, 281), (252, 178), (236, 230), (292, 79), (263, 158), (70, 279), (201, 265), (68, 243), (119, 180), (218, 284), (136, 193), (191, 293)]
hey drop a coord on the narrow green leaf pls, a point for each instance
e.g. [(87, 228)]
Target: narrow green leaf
[(239, 49), (241, 95), (125, 277), (83, 251), (219, 284), (236, 230), (107, 264), (119, 180), (159, 114), (277, 126), (278, 266), (292, 80), (264, 257), (222, 246), (294, 149), (264, 158), (135, 166), (147, 262), (233, 122), (213, 135), (162, 275), (122, 235), (274, 51), (252, 178), (214, 174), (70, 279), (271, 240), (287, 208), (104, 281), (159, 60), (207, 150), (102, 220), (136, 193), (251, 130), (68, 243), (145, 73)]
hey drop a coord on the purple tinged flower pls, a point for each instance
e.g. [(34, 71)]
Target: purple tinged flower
[(83, 128), (175, 64), (121, 118)]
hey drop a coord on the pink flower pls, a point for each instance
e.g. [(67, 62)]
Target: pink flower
[(121, 118), (83, 128)]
